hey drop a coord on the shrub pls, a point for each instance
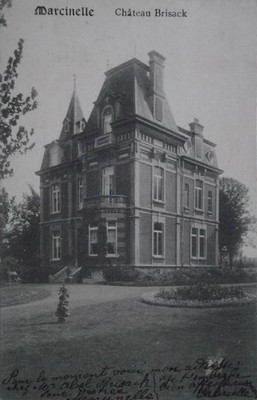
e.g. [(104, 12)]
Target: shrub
[(121, 274), (62, 312), (202, 292)]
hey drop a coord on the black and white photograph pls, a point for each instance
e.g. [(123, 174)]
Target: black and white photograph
[(128, 199)]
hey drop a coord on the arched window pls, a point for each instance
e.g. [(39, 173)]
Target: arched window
[(107, 120)]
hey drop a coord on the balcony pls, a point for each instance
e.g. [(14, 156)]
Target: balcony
[(103, 141), (114, 201)]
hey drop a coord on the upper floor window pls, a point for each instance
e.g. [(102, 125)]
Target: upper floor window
[(56, 246), (108, 181), (209, 201), (80, 193), (199, 194), (93, 240), (55, 198), (111, 237), (186, 195), (107, 120), (158, 184), (158, 239)]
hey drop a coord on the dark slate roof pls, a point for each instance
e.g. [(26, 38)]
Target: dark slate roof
[(130, 84), (73, 115)]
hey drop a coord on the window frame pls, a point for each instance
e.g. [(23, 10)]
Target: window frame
[(79, 193), (114, 228), (210, 201), (186, 195), (107, 181), (200, 237), (92, 228), (56, 246), (156, 240), (199, 197), (158, 180), (55, 209), (107, 120)]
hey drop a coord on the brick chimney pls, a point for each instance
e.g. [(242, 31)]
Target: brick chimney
[(156, 65), (196, 128)]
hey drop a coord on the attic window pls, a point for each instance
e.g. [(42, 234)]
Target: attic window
[(107, 120), (66, 126)]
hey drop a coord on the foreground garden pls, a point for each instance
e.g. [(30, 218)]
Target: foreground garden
[(111, 328)]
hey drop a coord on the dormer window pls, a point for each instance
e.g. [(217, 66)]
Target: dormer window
[(107, 120), (66, 126)]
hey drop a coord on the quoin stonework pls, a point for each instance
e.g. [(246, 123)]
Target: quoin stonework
[(128, 186)]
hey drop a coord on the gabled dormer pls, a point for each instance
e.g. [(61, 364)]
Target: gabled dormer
[(74, 121)]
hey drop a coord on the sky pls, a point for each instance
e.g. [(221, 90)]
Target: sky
[(210, 70)]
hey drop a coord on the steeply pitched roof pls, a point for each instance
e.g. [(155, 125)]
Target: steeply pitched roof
[(74, 115), (130, 83)]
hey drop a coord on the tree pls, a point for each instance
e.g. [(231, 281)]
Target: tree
[(13, 138), (234, 216), (22, 239)]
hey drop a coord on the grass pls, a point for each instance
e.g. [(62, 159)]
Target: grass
[(21, 294), (126, 334)]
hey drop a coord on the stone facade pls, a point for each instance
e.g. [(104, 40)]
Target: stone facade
[(128, 186)]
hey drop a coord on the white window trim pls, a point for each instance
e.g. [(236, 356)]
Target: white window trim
[(55, 235), (163, 184), (91, 228), (198, 228), (162, 222), (52, 211), (198, 190), (116, 237)]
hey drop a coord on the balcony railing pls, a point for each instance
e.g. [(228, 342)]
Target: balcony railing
[(104, 140), (106, 201)]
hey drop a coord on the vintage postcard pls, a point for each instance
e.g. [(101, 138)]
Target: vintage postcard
[(128, 199)]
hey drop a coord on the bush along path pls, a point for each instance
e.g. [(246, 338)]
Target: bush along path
[(199, 296)]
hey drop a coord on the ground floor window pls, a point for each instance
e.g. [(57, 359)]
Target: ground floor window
[(158, 239), (198, 243), (93, 240), (56, 245), (111, 237)]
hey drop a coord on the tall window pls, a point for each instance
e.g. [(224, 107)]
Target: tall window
[(56, 246), (80, 193), (111, 237), (93, 240), (158, 193), (108, 181), (55, 198), (199, 194), (107, 120), (209, 201), (158, 239), (186, 195), (198, 243)]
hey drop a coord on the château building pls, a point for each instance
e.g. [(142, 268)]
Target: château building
[(128, 186)]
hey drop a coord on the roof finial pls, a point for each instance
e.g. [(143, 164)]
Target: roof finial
[(107, 63), (135, 50), (74, 82)]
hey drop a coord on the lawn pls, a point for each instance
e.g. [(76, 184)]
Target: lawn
[(21, 294), (126, 334)]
